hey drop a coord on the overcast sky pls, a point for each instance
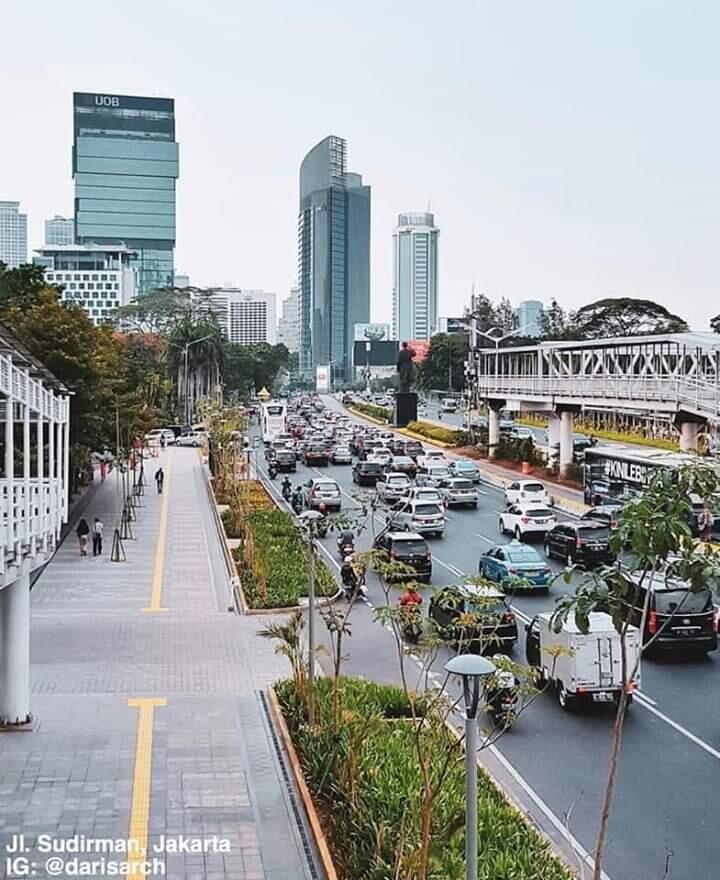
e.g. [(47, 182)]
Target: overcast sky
[(567, 149)]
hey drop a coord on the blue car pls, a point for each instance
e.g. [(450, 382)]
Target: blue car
[(516, 564), (463, 467)]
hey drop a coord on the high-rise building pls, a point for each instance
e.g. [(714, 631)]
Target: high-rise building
[(246, 317), (333, 257), (59, 230), (288, 326), (97, 277), (181, 280), (125, 164), (13, 235), (528, 318), (415, 266)]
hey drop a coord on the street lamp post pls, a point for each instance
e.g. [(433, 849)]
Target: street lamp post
[(471, 668), (310, 519)]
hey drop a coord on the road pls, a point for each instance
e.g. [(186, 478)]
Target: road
[(670, 760)]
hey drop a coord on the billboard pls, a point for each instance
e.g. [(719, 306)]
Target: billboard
[(371, 331), (322, 379), (375, 353)]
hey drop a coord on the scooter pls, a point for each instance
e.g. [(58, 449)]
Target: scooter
[(297, 502), (287, 490), (352, 588), (412, 628), (345, 548), (272, 472), (501, 699)]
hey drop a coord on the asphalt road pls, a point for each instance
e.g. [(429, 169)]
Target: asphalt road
[(665, 803)]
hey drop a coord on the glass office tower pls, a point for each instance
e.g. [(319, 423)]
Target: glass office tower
[(125, 164), (415, 267), (333, 258)]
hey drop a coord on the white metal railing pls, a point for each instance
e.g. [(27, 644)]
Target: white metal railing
[(15, 383), (35, 515)]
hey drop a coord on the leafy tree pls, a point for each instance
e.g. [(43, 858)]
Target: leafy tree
[(444, 366), (624, 317), (554, 322), (21, 286), (504, 315), (483, 310), (160, 311), (251, 367)]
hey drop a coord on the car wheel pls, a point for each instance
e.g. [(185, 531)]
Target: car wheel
[(546, 550), (518, 534), (566, 700)]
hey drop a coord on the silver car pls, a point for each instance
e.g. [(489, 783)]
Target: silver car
[(433, 475), (458, 492), (322, 490), (393, 487), (341, 455), (424, 517)]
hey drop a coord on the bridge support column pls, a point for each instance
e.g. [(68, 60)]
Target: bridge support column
[(690, 427), (566, 442), (494, 407), (15, 652)]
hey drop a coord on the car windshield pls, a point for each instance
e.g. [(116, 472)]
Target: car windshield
[(485, 606), (538, 512), (522, 554), (533, 487), (327, 487), (682, 601), (465, 466), (401, 459), (590, 533), (409, 548), (438, 472), (461, 484), (427, 509)]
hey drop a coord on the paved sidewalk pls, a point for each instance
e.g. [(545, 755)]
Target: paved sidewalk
[(146, 697)]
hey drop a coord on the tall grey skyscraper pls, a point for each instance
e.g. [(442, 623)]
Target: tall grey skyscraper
[(288, 327), (333, 257), (13, 235), (59, 230), (125, 164), (415, 288)]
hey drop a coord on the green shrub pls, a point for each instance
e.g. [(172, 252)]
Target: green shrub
[(365, 779), (380, 413), (451, 436), (274, 571)]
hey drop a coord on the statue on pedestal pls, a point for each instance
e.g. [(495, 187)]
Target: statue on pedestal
[(406, 371)]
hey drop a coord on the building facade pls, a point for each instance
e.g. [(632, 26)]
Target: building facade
[(415, 268), (246, 317), (125, 164), (100, 278), (288, 325), (59, 230), (333, 258), (528, 318), (13, 235)]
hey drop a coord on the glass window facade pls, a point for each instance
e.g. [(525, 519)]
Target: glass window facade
[(125, 164)]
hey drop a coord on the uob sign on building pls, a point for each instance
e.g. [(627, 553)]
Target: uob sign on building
[(106, 101)]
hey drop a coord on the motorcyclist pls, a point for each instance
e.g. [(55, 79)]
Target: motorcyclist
[(297, 499), (346, 540), (348, 574), (272, 470), (322, 524), (410, 603), (411, 599), (502, 686), (286, 488)]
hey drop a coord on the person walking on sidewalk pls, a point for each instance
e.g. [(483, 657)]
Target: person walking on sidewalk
[(82, 531), (97, 536), (159, 480)]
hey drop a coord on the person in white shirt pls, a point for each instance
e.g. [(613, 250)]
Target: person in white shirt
[(97, 536)]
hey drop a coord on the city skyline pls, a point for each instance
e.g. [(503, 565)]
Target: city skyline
[(555, 173), (415, 276)]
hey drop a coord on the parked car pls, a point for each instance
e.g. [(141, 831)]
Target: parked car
[(463, 467), (526, 520), (366, 473), (322, 490), (393, 487), (472, 616), (341, 455), (458, 492), (193, 439), (409, 548), (403, 464), (586, 543), (527, 490), (589, 666), (516, 564), (316, 455), (424, 517)]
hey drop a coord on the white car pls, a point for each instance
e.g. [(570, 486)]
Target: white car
[(433, 475), (531, 520), (431, 456), (381, 454), (425, 493), (341, 455), (393, 486), (155, 436), (458, 492), (192, 439), (322, 490), (424, 517), (524, 491)]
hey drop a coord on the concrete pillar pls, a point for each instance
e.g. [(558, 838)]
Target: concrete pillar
[(29, 501), (566, 442), (493, 431), (10, 471), (66, 461), (689, 436), (15, 652)]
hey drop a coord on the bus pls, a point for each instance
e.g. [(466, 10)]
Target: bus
[(273, 419)]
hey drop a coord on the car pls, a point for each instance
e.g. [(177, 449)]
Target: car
[(433, 475), (521, 432), (424, 517), (393, 487), (448, 405), (526, 520), (527, 490), (315, 454), (506, 424), (366, 473), (431, 457), (607, 514), (284, 459), (341, 455), (458, 492), (409, 548), (585, 542), (463, 467), (425, 493), (193, 439), (473, 615), (403, 464), (515, 564), (414, 449), (381, 454), (158, 435), (322, 490), (396, 445)]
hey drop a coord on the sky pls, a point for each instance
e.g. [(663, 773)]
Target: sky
[(567, 149)]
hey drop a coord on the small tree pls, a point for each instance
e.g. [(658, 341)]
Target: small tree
[(653, 544)]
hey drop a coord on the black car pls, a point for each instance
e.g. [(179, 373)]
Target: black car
[(413, 448), (607, 514), (396, 445), (586, 543), (409, 548), (366, 473), (285, 460), (489, 625)]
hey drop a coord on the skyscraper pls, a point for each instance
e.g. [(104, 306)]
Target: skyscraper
[(125, 164), (528, 317), (13, 235), (288, 328), (415, 266), (59, 230), (246, 317), (333, 257)]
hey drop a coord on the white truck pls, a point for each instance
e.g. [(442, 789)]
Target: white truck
[(589, 669)]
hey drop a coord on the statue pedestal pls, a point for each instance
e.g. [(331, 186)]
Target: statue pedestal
[(405, 408)]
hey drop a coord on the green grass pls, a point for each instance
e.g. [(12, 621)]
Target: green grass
[(365, 781)]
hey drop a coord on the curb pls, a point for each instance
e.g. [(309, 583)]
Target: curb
[(308, 804)]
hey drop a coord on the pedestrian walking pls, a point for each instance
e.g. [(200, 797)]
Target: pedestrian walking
[(82, 531), (706, 521), (103, 471), (97, 536), (163, 441), (159, 480)]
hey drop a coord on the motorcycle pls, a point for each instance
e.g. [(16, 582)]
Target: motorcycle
[(353, 585), (322, 527), (272, 471), (412, 628), (287, 490), (501, 699), (345, 548), (297, 502)]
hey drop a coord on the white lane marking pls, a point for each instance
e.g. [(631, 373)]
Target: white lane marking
[(521, 614), (560, 826), (451, 568), (482, 537), (641, 701), (645, 697)]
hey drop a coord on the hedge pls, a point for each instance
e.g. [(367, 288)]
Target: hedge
[(606, 434), (436, 432), (273, 565), (365, 781), (380, 413)]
